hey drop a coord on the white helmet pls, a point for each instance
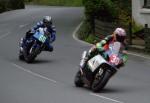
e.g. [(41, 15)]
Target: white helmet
[(120, 34), (47, 20)]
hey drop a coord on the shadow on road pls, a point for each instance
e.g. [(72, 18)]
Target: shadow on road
[(119, 90), (108, 90), (41, 61), (36, 61), (111, 90)]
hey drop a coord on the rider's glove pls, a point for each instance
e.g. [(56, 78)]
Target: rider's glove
[(99, 47)]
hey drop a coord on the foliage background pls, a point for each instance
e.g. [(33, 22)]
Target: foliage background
[(6, 5), (117, 11), (56, 2)]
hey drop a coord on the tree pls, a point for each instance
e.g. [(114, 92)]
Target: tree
[(11, 4), (104, 10), (16, 4)]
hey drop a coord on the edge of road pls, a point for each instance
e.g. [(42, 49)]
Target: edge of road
[(75, 37)]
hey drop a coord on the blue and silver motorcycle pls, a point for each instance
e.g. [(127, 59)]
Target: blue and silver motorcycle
[(34, 45)]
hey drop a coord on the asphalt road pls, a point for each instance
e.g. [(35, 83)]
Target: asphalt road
[(50, 78)]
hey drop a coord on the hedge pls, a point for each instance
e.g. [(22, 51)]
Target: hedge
[(6, 5), (116, 11)]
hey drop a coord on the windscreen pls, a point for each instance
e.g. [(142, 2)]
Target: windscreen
[(116, 47)]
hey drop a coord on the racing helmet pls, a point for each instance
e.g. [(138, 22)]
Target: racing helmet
[(120, 34)]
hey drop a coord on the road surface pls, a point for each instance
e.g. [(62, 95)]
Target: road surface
[(50, 78)]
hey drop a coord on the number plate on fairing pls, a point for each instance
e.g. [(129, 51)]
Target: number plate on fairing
[(40, 37), (95, 62), (114, 59)]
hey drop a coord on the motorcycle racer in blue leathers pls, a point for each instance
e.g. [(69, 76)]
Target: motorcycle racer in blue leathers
[(45, 23)]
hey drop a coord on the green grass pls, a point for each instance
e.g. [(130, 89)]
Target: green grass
[(57, 2), (136, 27), (92, 39)]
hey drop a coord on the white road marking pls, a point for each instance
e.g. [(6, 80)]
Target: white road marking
[(103, 97), (86, 43), (23, 25), (138, 55), (3, 36), (75, 35), (35, 74)]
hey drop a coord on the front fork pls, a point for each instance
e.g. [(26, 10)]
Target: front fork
[(83, 61)]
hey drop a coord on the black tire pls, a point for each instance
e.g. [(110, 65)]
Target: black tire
[(21, 56), (100, 81), (78, 80), (29, 59)]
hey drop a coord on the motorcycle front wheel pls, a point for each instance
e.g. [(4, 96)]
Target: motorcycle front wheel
[(100, 81)]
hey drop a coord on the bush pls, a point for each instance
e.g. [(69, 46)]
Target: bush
[(28, 0), (2, 6), (102, 9), (84, 30), (57, 2), (124, 12), (92, 39), (11, 4), (84, 33), (117, 11), (147, 40), (16, 4), (136, 27)]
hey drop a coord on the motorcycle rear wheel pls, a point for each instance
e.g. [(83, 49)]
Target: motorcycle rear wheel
[(21, 56), (78, 80)]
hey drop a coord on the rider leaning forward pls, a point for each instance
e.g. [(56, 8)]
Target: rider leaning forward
[(118, 35)]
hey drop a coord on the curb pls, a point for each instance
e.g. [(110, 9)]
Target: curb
[(135, 48), (76, 37)]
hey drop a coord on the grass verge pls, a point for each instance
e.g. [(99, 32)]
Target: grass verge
[(56, 2)]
